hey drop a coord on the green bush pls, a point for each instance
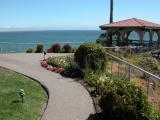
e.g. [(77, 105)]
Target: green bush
[(148, 63), (73, 71), (67, 48), (92, 56), (91, 77), (30, 50), (74, 50), (58, 61), (121, 100), (51, 61), (40, 48), (55, 48)]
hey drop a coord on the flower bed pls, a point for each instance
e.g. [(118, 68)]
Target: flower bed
[(117, 97), (57, 64), (51, 68)]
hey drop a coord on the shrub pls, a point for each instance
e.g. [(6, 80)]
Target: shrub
[(74, 50), (40, 48), (30, 50), (58, 61), (55, 48), (71, 68), (148, 63), (121, 100), (51, 61), (73, 71), (49, 50), (91, 77), (67, 48), (92, 56)]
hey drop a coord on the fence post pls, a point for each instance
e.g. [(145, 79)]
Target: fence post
[(129, 72), (118, 71), (148, 85)]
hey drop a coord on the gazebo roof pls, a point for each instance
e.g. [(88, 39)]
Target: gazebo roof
[(132, 23)]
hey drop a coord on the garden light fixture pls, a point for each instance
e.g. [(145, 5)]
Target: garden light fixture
[(44, 55), (22, 94)]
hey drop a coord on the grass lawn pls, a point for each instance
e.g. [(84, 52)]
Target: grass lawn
[(11, 107)]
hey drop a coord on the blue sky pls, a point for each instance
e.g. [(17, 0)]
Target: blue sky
[(72, 14)]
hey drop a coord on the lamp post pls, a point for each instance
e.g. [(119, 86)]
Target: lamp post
[(111, 21), (111, 11), (22, 94)]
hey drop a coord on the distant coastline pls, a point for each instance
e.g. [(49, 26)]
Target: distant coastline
[(8, 29)]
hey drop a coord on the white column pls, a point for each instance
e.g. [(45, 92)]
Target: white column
[(141, 36), (158, 33), (151, 39)]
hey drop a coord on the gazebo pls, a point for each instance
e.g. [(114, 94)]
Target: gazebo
[(119, 32)]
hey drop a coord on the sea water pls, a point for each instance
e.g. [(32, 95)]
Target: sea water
[(20, 41)]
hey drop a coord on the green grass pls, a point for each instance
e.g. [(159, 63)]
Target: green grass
[(11, 107)]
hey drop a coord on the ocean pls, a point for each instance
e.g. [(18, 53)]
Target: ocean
[(20, 41)]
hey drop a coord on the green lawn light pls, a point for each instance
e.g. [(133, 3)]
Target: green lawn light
[(22, 94), (45, 55)]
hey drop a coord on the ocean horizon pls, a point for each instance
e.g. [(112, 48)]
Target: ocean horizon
[(19, 41)]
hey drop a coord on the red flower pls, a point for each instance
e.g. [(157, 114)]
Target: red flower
[(60, 70), (152, 98), (55, 68), (44, 64)]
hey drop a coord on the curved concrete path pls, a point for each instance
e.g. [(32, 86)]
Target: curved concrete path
[(68, 99)]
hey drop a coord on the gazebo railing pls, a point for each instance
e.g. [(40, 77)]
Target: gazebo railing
[(148, 82), (130, 49)]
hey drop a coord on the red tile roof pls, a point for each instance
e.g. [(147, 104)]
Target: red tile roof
[(134, 22)]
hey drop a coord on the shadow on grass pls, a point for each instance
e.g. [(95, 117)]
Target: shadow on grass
[(16, 101)]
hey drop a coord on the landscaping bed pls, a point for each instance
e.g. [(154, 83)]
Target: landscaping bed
[(11, 106), (148, 63), (114, 97), (143, 60)]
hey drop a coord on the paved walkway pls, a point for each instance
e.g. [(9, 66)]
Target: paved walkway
[(68, 99)]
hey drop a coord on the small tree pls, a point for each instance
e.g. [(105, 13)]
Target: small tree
[(40, 48), (67, 48), (92, 56), (55, 48), (30, 50)]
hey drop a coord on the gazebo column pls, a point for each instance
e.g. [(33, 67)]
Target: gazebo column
[(118, 38), (122, 36), (141, 36), (158, 42), (151, 39), (127, 40), (107, 32), (107, 36)]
